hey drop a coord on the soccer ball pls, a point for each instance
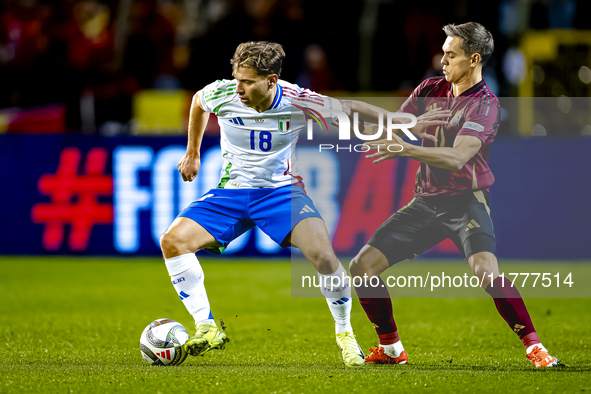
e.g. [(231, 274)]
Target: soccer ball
[(162, 342)]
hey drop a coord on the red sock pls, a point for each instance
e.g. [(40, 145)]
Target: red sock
[(530, 339), (389, 339), (512, 308), (377, 305)]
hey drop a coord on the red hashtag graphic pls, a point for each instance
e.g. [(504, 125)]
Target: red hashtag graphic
[(82, 212)]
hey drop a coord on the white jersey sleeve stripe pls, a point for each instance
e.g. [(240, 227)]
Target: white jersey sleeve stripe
[(303, 92), (217, 94)]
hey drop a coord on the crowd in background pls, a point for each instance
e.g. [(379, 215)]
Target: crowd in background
[(61, 50)]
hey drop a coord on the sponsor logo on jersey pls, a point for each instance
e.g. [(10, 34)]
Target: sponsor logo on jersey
[(456, 119), (179, 280), (259, 120), (237, 121), (474, 126), (284, 122)]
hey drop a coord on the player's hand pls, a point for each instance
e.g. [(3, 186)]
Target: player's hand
[(189, 166), (434, 117), (386, 149)]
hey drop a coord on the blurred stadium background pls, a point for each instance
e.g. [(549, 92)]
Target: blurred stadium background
[(90, 88), (101, 66)]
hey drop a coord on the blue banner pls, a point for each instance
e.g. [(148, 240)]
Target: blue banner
[(100, 195)]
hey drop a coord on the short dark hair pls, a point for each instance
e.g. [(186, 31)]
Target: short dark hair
[(265, 57), (475, 38)]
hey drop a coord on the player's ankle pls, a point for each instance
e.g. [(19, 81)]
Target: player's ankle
[(530, 348), (340, 328), (393, 349), (210, 322)]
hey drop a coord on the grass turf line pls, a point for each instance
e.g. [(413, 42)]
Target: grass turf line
[(73, 324)]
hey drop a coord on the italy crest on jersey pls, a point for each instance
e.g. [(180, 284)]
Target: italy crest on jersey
[(284, 122)]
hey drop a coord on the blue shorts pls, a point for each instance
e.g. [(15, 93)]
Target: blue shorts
[(228, 213)]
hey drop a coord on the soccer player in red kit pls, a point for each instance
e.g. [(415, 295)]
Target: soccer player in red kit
[(451, 196)]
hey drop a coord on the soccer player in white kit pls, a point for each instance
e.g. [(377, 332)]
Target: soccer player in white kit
[(259, 118)]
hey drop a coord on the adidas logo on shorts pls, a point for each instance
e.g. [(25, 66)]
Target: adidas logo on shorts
[(306, 209)]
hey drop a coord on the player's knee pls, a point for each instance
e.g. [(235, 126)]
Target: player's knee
[(484, 265), (369, 261), (170, 244), (480, 273), (325, 261), (356, 267), (360, 266)]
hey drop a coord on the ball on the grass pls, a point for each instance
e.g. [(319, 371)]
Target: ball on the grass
[(162, 342)]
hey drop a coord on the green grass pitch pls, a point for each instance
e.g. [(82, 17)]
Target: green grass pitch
[(73, 324)]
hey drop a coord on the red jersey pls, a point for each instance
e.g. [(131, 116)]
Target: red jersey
[(476, 112)]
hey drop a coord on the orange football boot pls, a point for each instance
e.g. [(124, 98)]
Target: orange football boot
[(541, 358), (377, 356)]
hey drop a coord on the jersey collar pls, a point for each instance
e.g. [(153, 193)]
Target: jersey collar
[(473, 89), (278, 95)]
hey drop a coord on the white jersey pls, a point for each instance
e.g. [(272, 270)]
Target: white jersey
[(258, 147)]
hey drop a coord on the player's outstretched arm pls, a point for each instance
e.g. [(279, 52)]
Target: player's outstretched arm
[(190, 163), (371, 114), (465, 147), (367, 112)]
